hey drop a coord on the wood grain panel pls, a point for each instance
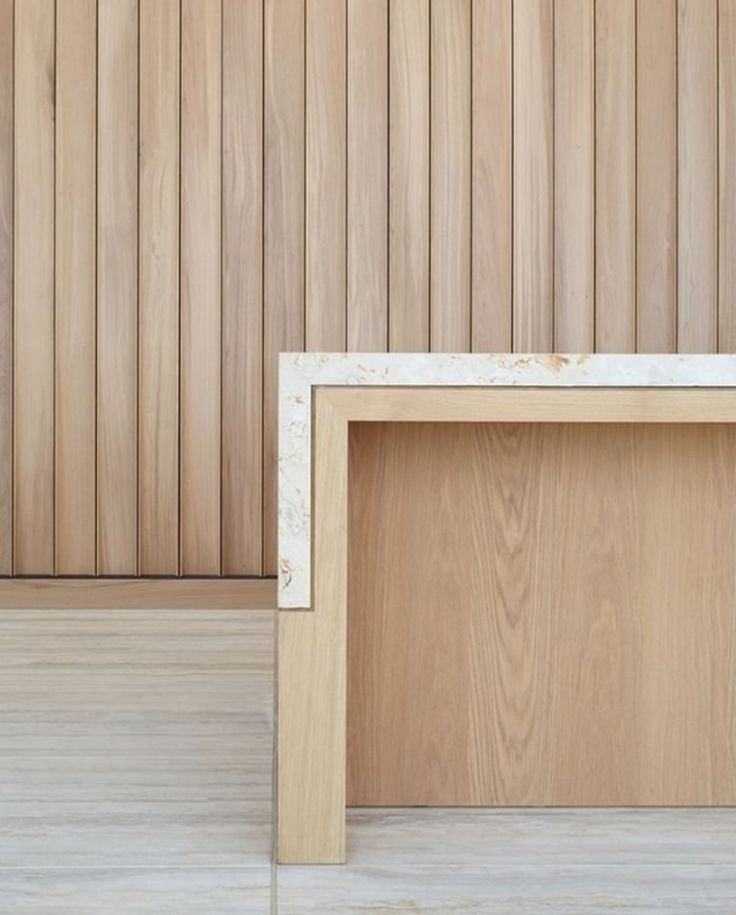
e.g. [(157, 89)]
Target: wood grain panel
[(726, 176), (76, 24), (242, 287), (33, 277), (409, 30), (6, 287), (572, 615), (158, 240), (312, 671), (697, 171), (491, 176), (143, 594), (117, 290), (200, 369), (615, 176), (574, 176), (656, 218), (533, 182), (325, 175), (283, 181), (450, 157), (367, 165)]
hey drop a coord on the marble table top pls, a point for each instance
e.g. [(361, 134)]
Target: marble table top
[(300, 372)]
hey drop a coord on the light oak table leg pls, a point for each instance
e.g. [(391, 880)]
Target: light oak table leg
[(311, 665)]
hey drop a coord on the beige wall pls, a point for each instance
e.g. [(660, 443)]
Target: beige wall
[(187, 188)]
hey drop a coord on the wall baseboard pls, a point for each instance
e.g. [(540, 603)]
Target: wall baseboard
[(138, 593)]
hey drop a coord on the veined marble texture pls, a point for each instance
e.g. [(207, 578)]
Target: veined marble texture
[(300, 372)]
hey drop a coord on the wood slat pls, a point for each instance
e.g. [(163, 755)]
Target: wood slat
[(143, 594), (33, 273), (574, 176), (242, 287), (6, 287), (117, 290), (615, 176), (367, 164), (325, 175), (283, 319), (158, 372), (409, 176), (201, 147), (76, 70), (697, 171), (492, 176), (726, 176), (533, 181), (450, 158), (656, 218)]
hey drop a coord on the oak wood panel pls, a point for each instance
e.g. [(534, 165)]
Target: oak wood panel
[(367, 175), (615, 176), (117, 290), (312, 674), (33, 278), (409, 112), (572, 615), (283, 226), (6, 286), (242, 287), (491, 176), (75, 278), (697, 176), (726, 176), (533, 316), (158, 305), (325, 232), (450, 158), (656, 217), (574, 176), (138, 593), (201, 305)]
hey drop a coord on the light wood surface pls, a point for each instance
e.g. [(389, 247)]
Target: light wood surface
[(325, 238), (367, 167), (726, 176), (117, 291), (114, 593), (75, 292), (595, 572), (242, 290), (574, 171), (409, 113), (482, 175), (311, 671), (158, 303), (532, 271), (33, 292), (200, 366), (697, 176), (534, 405), (283, 226), (656, 176), (492, 176), (6, 287), (615, 176), (450, 158)]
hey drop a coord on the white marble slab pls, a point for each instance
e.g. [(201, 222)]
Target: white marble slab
[(299, 373)]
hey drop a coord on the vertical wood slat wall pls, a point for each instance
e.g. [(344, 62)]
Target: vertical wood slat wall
[(188, 187)]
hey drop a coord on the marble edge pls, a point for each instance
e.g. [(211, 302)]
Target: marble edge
[(300, 372)]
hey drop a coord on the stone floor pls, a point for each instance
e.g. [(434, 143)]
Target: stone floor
[(136, 756)]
